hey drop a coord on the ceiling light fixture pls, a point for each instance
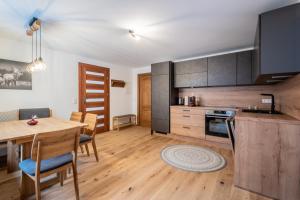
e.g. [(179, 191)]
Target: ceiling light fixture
[(37, 64), (134, 35)]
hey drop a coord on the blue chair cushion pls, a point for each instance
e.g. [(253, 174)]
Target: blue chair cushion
[(28, 165), (85, 138), (39, 112)]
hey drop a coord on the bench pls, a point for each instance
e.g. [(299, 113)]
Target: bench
[(123, 121)]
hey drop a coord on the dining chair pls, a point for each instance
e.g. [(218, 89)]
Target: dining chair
[(89, 133), (52, 152), (76, 116)]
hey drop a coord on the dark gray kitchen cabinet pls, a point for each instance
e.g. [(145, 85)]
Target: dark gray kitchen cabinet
[(244, 68), (222, 70), (163, 95), (191, 73), (277, 45)]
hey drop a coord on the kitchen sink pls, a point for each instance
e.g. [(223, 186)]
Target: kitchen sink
[(260, 111)]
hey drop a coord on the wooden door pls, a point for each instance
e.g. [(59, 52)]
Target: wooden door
[(94, 93), (144, 83)]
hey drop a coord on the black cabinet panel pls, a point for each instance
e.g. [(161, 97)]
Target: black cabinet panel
[(244, 68), (192, 73), (161, 125), (191, 80), (160, 97), (160, 68), (277, 45), (163, 95), (279, 40), (222, 70), (191, 66), (256, 55)]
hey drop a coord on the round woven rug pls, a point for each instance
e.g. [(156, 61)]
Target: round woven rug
[(192, 158)]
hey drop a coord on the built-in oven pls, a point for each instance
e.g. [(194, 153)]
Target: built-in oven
[(215, 122)]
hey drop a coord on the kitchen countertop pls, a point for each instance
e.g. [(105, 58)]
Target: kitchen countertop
[(208, 107), (279, 118)]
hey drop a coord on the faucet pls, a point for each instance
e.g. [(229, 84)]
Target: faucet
[(273, 102)]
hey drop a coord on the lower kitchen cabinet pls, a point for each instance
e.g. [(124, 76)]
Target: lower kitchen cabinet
[(188, 122), (267, 158)]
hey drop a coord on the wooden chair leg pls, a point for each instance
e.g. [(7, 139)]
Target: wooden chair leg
[(87, 149), (61, 178), (37, 188), (95, 149), (81, 148), (75, 177)]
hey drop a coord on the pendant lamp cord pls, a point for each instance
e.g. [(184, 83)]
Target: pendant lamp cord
[(36, 54), (41, 41), (32, 48)]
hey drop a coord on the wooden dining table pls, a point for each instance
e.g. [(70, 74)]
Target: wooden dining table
[(19, 134)]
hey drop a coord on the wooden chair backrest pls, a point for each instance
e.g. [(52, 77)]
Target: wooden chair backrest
[(76, 116), (91, 121), (56, 143)]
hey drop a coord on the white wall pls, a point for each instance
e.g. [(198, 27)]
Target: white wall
[(134, 87), (57, 87)]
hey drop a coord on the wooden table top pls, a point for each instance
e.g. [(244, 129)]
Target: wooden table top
[(13, 130)]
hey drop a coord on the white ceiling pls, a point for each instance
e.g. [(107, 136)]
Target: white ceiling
[(169, 29)]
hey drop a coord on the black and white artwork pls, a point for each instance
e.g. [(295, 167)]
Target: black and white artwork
[(14, 75)]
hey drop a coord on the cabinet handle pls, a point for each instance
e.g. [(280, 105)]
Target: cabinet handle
[(186, 110), (186, 116), (186, 127)]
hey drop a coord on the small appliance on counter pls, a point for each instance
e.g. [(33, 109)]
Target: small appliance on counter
[(192, 101), (197, 101), (186, 100), (180, 101)]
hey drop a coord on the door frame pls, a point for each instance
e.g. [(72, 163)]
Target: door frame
[(138, 94), (80, 86)]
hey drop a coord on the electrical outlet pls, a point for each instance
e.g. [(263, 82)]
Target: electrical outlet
[(266, 101)]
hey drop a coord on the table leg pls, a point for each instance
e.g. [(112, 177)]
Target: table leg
[(12, 156)]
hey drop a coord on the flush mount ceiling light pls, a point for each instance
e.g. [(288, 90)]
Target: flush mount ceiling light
[(134, 35), (36, 64)]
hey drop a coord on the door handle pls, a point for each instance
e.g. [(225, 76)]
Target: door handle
[(186, 110), (186, 116)]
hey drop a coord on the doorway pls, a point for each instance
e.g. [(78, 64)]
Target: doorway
[(94, 93), (144, 99)]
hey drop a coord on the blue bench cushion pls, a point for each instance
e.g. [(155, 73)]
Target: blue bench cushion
[(39, 112), (85, 138), (28, 165)]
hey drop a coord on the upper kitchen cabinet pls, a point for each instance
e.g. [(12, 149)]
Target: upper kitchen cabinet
[(191, 73), (222, 70), (277, 45), (244, 68), (163, 95)]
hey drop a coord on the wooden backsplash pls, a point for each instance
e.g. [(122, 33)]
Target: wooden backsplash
[(288, 94), (229, 96)]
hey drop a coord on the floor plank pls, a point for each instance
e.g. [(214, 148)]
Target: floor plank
[(130, 168)]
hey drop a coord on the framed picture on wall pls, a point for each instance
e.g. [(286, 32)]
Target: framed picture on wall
[(13, 75)]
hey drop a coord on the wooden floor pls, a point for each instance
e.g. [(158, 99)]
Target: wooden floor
[(130, 168)]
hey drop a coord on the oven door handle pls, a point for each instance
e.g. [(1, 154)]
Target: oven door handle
[(214, 116)]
